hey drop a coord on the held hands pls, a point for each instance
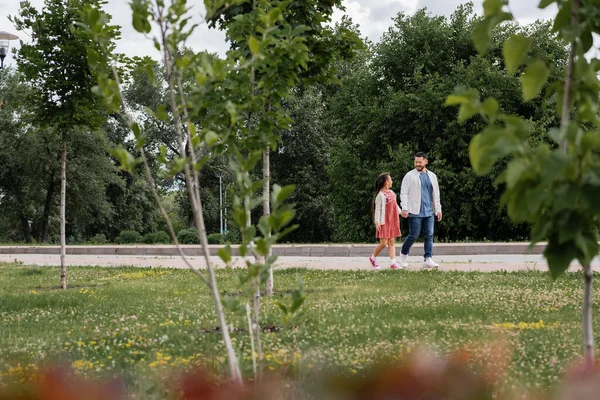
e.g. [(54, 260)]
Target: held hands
[(404, 213)]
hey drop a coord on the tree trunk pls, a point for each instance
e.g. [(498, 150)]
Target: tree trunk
[(566, 106), (257, 329), (63, 197), (196, 203), (47, 209), (588, 334), (25, 228), (267, 210)]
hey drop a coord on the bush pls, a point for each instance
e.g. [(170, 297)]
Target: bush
[(160, 237), (188, 236), (99, 238), (233, 237), (216, 238), (128, 237)]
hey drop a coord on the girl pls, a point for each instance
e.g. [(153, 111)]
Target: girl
[(386, 215)]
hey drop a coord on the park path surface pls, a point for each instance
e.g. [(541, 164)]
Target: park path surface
[(461, 262)]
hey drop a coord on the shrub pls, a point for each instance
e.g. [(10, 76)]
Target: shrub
[(99, 238), (160, 237), (128, 237), (188, 236), (216, 238)]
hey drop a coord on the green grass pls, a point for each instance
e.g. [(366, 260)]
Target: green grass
[(139, 322)]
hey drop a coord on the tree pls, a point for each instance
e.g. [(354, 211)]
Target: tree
[(306, 20), (55, 63), (554, 185), (391, 105), (207, 120)]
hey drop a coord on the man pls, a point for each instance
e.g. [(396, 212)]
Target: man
[(420, 201)]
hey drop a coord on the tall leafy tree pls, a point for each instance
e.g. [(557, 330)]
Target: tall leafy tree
[(392, 105), (55, 62)]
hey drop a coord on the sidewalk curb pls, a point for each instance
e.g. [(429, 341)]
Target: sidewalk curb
[(284, 250)]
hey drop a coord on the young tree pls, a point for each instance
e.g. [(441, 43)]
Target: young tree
[(553, 186), (207, 123), (307, 20), (55, 64)]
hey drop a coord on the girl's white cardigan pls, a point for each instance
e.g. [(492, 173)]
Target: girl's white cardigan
[(379, 217)]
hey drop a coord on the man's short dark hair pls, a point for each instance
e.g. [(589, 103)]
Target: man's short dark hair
[(421, 154)]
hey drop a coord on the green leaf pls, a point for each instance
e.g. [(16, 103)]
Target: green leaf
[(139, 138), (262, 247), (492, 7), (490, 106), (545, 3), (487, 147), (211, 138), (263, 226), (281, 194), (466, 111), (225, 254), (563, 17), (534, 79), (559, 256), (515, 171), (514, 51), (296, 304), (300, 29), (161, 112), (274, 16), (587, 40), (177, 165), (282, 307), (455, 100), (253, 159), (254, 45), (482, 34), (588, 246), (126, 161)]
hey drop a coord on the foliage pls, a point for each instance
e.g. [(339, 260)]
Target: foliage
[(188, 236), (391, 105), (128, 237), (554, 190), (160, 237), (99, 238)]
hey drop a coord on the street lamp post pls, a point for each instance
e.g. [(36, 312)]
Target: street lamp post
[(5, 37)]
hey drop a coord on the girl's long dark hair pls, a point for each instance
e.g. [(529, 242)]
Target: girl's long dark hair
[(379, 183)]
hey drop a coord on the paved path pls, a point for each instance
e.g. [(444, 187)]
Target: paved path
[(486, 263), (287, 250)]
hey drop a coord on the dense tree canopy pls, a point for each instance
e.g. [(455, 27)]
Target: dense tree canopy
[(383, 105)]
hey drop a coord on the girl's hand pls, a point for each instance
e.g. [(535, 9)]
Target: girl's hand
[(377, 227)]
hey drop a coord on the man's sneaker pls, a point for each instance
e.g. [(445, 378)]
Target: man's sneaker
[(403, 260), (396, 266), (429, 263), (373, 262)]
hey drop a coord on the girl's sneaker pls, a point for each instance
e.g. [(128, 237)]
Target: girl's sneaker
[(373, 262), (396, 266)]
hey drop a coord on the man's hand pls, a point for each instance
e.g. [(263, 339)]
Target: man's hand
[(404, 214), (439, 216), (377, 227)]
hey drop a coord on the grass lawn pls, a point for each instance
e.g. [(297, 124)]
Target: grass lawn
[(142, 322)]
